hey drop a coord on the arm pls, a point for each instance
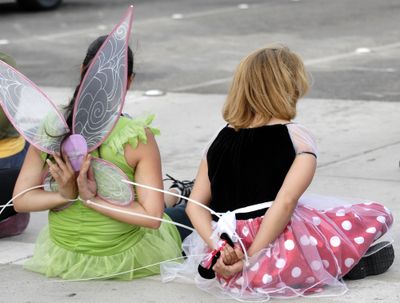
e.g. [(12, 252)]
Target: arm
[(38, 199), (146, 159), (278, 216), (200, 217)]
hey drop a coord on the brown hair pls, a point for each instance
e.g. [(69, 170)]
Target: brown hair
[(267, 83)]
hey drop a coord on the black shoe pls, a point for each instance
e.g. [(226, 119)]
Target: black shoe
[(374, 264), (184, 187)]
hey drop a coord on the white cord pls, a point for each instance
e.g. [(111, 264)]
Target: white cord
[(9, 203), (195, 202), (138, 214)]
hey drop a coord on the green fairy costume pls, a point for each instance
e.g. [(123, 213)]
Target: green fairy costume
[(80, 243)]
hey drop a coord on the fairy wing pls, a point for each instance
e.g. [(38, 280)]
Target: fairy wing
[(109, 186), (102, 92), (30, 111), (108, 179)]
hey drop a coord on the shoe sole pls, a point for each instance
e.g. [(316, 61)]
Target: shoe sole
[(375, 264)]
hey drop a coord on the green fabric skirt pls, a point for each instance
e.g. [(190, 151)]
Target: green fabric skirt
[(117, 251)]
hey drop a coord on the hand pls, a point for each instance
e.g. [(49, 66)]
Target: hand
[(86, 182), (231, 255), (227, 271), (65, 177)]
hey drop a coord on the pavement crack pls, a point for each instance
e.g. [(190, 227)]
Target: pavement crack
[(360, 178), (324, 165)]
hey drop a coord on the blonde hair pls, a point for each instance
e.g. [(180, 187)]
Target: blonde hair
[(267, 83)]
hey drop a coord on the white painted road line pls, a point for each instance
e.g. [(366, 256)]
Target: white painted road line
[(310, 62)]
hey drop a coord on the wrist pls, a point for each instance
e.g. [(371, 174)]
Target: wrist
[(87, 198), (69, 198)]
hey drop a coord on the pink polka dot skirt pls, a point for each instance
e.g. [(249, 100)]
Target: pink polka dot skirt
[(315, 250)]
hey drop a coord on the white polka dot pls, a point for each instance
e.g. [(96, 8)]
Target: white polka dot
[(313, 241), (335, 241), (255, 267), (310, 280), (245, 231), (367, 203), (326, 263), (346, 225), (304, 240), (381, 219), (280, 263), (289, 245), (316, 220), (296, 272), (340, 213), (266, 279), (349, 262), (240, 281), (359, 240), (268, 253), (316, 265), (371, 230)]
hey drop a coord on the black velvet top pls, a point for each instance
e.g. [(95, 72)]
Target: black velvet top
[(248, 166)]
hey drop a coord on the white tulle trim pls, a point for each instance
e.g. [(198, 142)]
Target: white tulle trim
[(319, 246)]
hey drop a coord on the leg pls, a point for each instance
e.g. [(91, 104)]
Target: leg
[(183, 188), (11, 223), (171, 200), (178, 214), (7, 181)]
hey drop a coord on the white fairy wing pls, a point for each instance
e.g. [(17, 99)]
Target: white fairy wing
[(108, 180), (109, 185), (102, 92), (49, 183), (30, 111)]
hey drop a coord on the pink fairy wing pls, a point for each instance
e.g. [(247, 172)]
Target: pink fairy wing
[(30, 111), (101, 96), (109, 186)]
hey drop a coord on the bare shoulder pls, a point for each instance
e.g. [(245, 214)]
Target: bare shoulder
[(143, 150)]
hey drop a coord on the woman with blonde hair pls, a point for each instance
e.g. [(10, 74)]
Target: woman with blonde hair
[(296, 245)]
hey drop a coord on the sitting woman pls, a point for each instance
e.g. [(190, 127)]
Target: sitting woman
[(13, 149), (85, 240), (294, 244)]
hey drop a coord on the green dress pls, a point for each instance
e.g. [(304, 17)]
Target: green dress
[(80, 243)]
